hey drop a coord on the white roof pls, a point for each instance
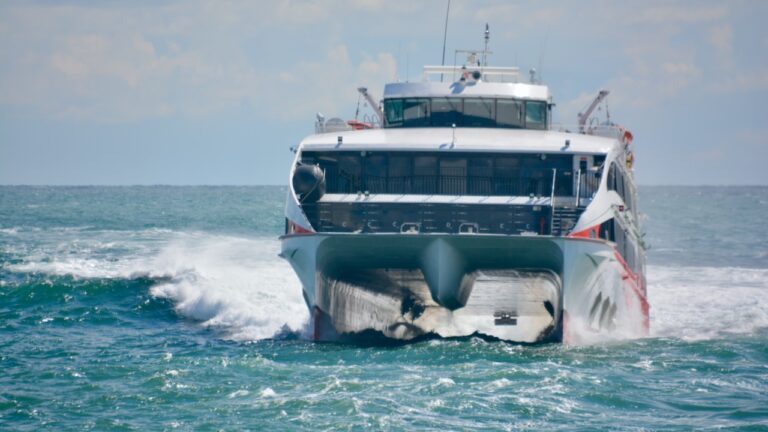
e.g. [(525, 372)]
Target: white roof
[(466, 139), (469, 89)]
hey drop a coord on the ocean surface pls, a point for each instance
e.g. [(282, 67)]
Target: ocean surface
[(167, 308)]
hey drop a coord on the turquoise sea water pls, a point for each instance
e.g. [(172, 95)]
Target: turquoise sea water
[(167, 308)]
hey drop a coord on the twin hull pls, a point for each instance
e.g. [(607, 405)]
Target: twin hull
[(515, 288)]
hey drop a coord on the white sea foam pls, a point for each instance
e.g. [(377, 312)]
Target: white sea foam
[(695, 303), (89, 268), (268, 393), (238, 285), (238, 393)]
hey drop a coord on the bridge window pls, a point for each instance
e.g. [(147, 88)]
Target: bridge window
[(393, 110), (479, 113), (446, 111), (465, 112), (509, 113), (415, 112), (535, 115)]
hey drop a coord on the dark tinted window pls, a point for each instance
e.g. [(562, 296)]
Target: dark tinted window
[(480, 166), (400, 174), (393, 110), (375, 173), (415, 112), (535, 115), (446, 111), (453, 176), (447, 173), (480, 175), (424, 175), (479, 112), (506, 166), (509, 113), (349, 171), (465, 112), (400, 166), (425, 165)]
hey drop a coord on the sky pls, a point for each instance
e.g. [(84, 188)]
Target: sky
[(216, 92)]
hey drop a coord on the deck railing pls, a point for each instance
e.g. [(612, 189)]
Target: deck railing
[(584, 185)]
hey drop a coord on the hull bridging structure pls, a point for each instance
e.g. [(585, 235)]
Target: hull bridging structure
[(520, 289), (496, 225)]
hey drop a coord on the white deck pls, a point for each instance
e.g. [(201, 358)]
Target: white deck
[(437, 199), (464, 139)]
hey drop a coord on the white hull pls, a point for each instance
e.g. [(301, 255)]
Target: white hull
[(520, 289)]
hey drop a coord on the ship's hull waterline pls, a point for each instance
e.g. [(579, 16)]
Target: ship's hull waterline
[(517, 288)]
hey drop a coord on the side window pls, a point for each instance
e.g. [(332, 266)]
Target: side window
[(480, 171), (375, 173), (349, 173), (620, 184), (535, 115), (425, 175), (453, 176), (399, 174), (611, 181), (621, 238), (393, 110), (606, 230)]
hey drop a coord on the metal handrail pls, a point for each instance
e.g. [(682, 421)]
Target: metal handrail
[(552, 201), (578, 187)]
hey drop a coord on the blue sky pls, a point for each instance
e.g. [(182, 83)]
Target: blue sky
[(216, 92)]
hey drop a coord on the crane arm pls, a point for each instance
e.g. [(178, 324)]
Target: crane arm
[(583, 117), (374, 105)]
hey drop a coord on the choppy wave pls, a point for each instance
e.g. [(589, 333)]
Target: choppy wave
[(236, 284), (239, 285)]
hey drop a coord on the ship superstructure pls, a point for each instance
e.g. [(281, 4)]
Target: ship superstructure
[(459, 210)]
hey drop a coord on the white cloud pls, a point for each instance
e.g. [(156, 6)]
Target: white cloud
[(674, 14), (329, 84), (123, 64), (741, 81), (721, 38)]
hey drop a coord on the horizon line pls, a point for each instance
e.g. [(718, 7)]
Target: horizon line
[(285, 185)]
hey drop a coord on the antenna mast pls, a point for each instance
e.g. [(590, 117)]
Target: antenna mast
[(485, 51), (445, 35)]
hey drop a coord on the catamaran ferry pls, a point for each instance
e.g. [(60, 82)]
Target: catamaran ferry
[(461, 210)]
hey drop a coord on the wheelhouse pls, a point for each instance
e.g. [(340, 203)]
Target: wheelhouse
[(466, 112)]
